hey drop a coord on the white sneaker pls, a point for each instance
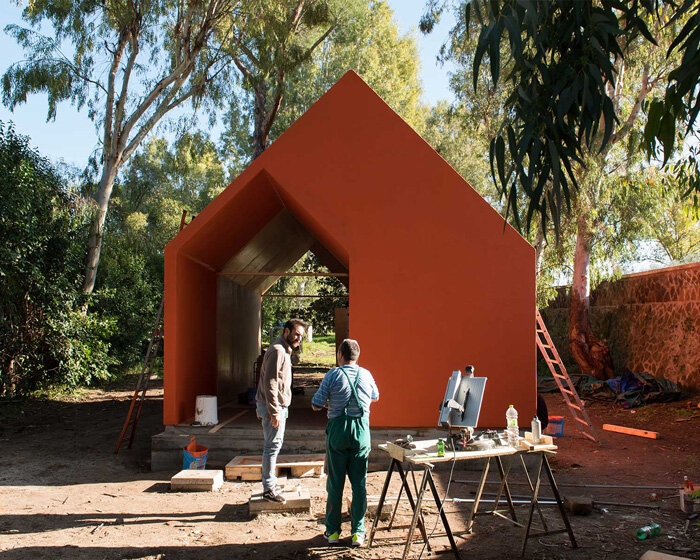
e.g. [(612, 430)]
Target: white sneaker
[(358, 539)]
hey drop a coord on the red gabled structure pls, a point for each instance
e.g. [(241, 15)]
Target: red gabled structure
[(436, 280)]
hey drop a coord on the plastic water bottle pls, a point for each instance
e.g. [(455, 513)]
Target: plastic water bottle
[(648, 531), (512, 432)]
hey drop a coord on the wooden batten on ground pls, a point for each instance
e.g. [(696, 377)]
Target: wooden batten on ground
[(653, 555), (197, 481), (298, 501), (249, 467), (631, 431)]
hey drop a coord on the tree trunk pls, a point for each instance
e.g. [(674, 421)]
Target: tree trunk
[(590, 353), (259, 114), (104, 192), (540, 244)]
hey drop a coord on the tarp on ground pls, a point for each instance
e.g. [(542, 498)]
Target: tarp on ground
[(629, 390)]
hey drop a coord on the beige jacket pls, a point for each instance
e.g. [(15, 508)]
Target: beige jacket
[(275, 385)]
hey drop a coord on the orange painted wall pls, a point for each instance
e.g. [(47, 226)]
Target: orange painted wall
[(436, 280)]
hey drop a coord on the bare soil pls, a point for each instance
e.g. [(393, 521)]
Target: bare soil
[(65, 494)]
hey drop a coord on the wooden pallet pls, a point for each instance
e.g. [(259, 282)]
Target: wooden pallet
[(298, 500), (197, 481), (373, 507), (249, 467)]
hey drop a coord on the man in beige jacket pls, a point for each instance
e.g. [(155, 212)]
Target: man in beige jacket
[(272, 401)]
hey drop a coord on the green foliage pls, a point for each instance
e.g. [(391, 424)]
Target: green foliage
[(562, 59), (671, 221), (365, 39), (321, 351), (370, 44), (129, 293), (159, 183), (316, 311), (131, 63), (681, 101), (44, 337)]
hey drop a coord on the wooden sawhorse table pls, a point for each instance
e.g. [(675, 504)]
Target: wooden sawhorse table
[(426, 455)]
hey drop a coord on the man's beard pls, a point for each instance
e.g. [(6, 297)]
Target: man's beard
[(292, 343)]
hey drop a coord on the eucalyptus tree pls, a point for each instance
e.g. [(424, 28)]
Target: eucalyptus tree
[(160, 181), (131, 62), (364, 39), (672, 225), (563, 57), (541, 157), (277, 37)]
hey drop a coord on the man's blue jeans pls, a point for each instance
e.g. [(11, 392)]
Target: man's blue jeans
[(273, 443)]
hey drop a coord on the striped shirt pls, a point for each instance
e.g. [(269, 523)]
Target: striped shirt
[(336, 392)]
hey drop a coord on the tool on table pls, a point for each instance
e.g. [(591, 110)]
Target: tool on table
[(406, 443), (460, 409)]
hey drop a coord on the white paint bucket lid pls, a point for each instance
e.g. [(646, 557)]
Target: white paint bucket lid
[(205, 412)]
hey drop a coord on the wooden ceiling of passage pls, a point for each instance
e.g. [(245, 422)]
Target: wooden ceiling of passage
[(276, 248)]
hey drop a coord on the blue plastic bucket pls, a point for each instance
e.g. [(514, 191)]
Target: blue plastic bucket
[(194, 456), (555, 426)]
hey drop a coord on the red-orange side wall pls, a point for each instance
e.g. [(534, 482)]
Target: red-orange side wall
[(190, 323)]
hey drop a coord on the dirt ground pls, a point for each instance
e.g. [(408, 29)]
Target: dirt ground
[(65, 494)]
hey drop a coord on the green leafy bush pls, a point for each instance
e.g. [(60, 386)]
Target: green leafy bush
[(44, 336)]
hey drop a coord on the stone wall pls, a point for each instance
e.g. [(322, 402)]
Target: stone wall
[(651, 321)]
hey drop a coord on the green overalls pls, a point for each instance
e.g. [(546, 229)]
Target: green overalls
[(347, 451)]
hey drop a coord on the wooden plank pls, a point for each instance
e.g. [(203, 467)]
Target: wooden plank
[(303, 471), (298, 500), (395, 451), (222, 424), (544, 439), (653, 555), (631, 431), (197, 481)]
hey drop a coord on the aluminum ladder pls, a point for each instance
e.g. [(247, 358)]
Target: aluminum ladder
[(563, 381)]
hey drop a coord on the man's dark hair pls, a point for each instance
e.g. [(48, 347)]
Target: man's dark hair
[(350, 350), (293, 323)]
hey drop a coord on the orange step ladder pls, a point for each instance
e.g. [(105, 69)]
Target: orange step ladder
[(563, 381), (132, 417)]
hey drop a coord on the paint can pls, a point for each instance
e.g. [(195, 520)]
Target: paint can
[(206, 411)]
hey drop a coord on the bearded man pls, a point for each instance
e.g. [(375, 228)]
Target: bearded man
[(272, 401)]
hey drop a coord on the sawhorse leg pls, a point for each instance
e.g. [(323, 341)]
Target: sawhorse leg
[(477, 496), (396, 464), (503, 473), (443, 516), (544, 463), (414, 505), (503, 489), (428, 480), (380, 505), (532, 489)]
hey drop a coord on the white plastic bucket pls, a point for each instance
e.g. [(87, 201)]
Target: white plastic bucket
[(205, 412)]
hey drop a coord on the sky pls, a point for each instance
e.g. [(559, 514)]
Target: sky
[(72, 137)]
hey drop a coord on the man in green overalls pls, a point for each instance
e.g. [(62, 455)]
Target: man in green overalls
[(347, 391)]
